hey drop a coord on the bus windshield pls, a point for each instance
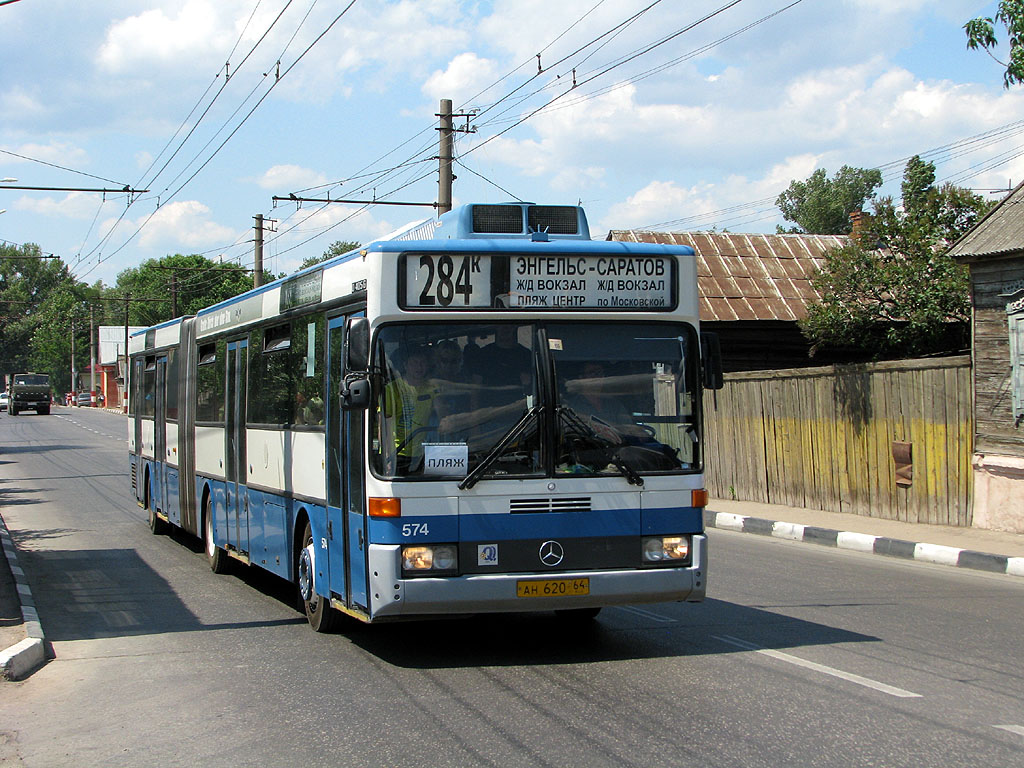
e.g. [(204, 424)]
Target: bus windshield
[(521, 399)]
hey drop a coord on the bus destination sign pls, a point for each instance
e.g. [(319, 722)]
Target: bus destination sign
[(590, 282), (539, 282)]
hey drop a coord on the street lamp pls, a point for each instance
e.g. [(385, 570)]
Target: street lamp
[(7, 180)]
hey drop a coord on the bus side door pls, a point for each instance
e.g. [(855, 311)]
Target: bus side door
[(236, 508), (160, 436), (345, 517)]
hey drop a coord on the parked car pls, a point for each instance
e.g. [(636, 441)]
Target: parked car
[(4, 397), (84, 398)]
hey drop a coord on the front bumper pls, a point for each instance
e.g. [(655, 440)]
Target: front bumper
[(391, 596)]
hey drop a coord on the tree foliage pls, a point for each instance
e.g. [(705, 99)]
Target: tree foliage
[(39, 299), (981, 33), (160, 289), (822, 206), (895, 290), (337, 248)]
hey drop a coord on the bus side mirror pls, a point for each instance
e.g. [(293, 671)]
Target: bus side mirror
[(355, 394), (711, 360), (355, 389), (357, 343)]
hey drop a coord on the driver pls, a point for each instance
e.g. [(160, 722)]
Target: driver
[(409, 405)]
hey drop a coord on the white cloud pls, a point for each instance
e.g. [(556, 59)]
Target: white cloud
[(465, 76), (18, 101), (76, 205), (154, 35), (181, 226), (287, 178), (56, 152)]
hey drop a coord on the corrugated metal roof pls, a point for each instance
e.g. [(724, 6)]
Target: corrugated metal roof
[(999, 233), (748, 277)]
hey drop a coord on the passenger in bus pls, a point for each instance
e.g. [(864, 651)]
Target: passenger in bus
[(452, 383), (505, 361), (309, 410), (409, 409), (605, 413)]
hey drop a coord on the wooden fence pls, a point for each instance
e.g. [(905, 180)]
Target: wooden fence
[(824, 438)]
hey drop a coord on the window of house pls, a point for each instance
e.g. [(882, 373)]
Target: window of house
[(1015, 320)]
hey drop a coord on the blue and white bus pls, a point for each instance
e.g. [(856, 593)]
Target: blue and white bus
[(486, 412)]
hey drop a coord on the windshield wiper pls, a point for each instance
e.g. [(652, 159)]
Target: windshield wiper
[(583, 429), (495, 453)]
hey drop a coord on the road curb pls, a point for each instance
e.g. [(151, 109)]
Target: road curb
[(24, 657), (863, 542)]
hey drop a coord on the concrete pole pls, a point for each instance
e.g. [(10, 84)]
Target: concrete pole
[(74, 369), (257, 271), (446, 152), (92, 360)]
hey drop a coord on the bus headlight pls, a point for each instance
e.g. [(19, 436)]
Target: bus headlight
[(429, 559), (665, 549)]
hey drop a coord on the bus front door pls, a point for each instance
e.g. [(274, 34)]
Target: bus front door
[(236, 503), (345, 517)]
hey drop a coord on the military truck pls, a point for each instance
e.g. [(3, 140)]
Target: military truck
[(29, 391)]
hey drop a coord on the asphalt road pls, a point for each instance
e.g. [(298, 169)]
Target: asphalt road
[(802, 656)]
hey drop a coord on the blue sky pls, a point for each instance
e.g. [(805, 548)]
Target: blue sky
[(703, 130)]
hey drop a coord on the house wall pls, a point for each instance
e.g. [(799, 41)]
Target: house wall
[(999, 442)]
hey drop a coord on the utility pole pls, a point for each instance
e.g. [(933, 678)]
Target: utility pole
[(92, 359), (257, 272), (124, 374), (446, 151), (174, 296), (74, 370)]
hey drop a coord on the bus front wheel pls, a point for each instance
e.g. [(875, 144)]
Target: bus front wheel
[(322, 617)]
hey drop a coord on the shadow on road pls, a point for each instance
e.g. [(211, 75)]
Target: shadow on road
[(88, 594)]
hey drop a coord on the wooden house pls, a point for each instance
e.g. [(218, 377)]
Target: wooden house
[(994, 254), (753, 289)]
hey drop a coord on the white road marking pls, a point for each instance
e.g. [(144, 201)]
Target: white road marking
[(1018, 729), (848, 676)]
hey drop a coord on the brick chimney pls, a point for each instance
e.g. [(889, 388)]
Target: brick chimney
[(858, 219)]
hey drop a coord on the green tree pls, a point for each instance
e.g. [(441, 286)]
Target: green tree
[(337, 248), (981, 33), (895, 291), (822, 206), (186, 283), (38, 299)]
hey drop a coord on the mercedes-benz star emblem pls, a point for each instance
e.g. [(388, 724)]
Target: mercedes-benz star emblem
[(551, 553)]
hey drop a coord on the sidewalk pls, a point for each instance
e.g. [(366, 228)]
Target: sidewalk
[(993, 551), (22, 646)]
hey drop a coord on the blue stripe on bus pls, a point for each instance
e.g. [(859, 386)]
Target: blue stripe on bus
[(672, 520), (621, 522)]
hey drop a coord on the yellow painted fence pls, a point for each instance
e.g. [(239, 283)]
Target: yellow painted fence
[(833, 438)]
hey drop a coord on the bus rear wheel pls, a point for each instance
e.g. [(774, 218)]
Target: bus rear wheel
[(157, 525), (321, 616), (217, 557)]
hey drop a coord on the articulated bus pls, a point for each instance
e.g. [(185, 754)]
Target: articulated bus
[(484, 412)]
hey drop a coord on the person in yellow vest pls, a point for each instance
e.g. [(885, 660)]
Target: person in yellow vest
[(409, 407)]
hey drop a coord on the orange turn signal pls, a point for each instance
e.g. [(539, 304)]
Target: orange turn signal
[(699, 498), (385, 507)]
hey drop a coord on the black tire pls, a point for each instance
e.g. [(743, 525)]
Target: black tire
[(578, 615), (156, 524), (321, 616), (12, 410), (218, 559), (45, 411)]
